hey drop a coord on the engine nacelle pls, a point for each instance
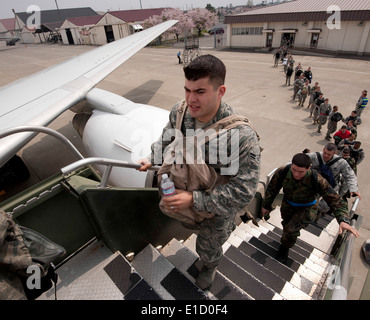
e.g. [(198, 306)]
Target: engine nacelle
[(123, 130)]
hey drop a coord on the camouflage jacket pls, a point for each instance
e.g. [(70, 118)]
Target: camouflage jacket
[(14, 255), (325, 109), (303, 191), (340, 169), (233, 196)]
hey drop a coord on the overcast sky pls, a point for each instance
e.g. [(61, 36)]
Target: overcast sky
[(6, 6)]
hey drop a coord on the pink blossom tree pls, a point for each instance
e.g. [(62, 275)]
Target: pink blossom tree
[(203, 19), (184, 24)]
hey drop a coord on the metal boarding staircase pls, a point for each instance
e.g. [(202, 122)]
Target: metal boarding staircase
[(248, 271)]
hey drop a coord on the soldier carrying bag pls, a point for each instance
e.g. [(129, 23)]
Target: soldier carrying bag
[(194, 176)]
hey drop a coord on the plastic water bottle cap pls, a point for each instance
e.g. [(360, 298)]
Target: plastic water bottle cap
[(164, 176)]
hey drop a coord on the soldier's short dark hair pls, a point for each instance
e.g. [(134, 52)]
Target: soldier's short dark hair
[(301, 160), (206, 66), (331, 146)]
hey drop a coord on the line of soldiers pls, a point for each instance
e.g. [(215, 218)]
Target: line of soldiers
[(317, 183)]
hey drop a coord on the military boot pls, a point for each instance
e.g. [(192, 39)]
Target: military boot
[(282, 254), (206, 277)]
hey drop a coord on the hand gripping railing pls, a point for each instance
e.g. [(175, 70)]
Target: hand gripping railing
[(109, 163)]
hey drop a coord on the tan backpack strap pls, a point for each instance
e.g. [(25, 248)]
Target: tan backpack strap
[(181, 110), (229, 123)]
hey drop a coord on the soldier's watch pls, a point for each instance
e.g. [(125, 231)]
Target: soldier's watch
[(344, 219)]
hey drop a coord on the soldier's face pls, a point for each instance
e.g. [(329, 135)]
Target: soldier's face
[(298, 172), (327, 155), (203, 99)]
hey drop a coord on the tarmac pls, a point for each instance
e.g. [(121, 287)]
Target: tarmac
[(254, 87)]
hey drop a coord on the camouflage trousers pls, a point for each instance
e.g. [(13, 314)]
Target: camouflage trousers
[(295, 219), (11, 287), (212, 235)]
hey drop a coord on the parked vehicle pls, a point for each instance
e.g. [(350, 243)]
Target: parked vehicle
[(216, 30), (12, 42)]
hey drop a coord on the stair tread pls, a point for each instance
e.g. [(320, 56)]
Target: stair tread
[(188, 263), (296, 253), (286, 273), (269, 278), (165, 279), (272, 252)]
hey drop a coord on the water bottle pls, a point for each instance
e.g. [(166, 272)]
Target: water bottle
[(167, 186)]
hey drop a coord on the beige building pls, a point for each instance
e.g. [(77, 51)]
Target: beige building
[(111, 26), (79, 30), (341, 26), (42, 26)]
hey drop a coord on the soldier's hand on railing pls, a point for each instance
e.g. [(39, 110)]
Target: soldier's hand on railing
[(145, 164), (345, 226), (356, 194)]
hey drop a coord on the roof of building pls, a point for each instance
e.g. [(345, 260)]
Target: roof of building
[(8, 23), (136, 15), (84, 21), (303, 10), (57, 17)]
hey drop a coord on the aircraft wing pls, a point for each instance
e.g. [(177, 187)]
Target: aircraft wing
[(40, 98)]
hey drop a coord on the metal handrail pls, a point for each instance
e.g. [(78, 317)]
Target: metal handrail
[(341, 282), (103, 161), (41, 129)]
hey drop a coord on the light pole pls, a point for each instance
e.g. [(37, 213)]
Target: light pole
[(60, 20)]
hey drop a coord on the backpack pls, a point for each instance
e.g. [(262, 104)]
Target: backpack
[(355, 154), (325, 170), (336, 117)]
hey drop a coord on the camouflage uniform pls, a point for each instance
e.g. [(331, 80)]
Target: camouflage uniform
[(14, 259), (340, 169), (224, 200), (324, 111), (297, 217), (332, 125)]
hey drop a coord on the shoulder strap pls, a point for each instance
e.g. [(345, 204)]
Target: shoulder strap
[(181, 110), (232, 122), (285, 170), (315, 180), (333, 161), (319, 158), (225, 123)]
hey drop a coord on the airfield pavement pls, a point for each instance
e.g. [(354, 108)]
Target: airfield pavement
[(254, 87)]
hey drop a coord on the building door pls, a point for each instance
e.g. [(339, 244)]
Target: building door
[(109, 33), (287, 39), (314, 40), (69, 36), (269, 38)]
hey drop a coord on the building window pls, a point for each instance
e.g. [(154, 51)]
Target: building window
[(247, 31)]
